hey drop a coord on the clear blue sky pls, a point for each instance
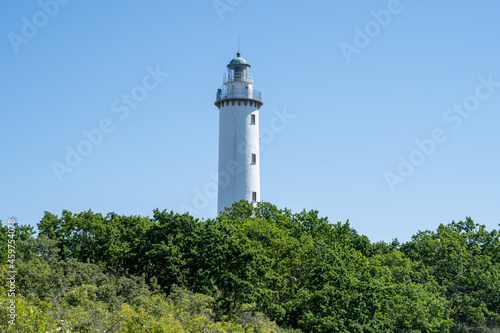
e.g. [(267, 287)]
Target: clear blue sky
[(359, 103)]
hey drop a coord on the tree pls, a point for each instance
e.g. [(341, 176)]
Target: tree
[(89, 236), (463, 258)]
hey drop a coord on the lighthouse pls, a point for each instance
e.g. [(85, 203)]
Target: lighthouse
[(238, 103)]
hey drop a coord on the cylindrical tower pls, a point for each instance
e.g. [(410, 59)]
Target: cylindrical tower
[(239, 104)]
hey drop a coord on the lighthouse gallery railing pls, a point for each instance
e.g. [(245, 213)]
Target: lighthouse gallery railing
[(251, 94)]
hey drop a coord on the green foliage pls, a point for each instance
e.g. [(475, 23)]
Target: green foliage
[(464, 260), (88, 236), (20, 232), (245, 271)]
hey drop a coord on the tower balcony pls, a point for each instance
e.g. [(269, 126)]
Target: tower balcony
[(252, 94)]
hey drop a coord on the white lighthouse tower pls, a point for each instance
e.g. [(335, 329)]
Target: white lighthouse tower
[(239, 104)]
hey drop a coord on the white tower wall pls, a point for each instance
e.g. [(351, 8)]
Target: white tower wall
[(239, 177)]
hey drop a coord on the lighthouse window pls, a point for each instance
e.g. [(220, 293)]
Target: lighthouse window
[(252, 119), (238, 73), (254, 196), (254, 158)]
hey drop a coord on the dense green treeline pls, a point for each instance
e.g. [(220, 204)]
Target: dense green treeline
[(253, 269)]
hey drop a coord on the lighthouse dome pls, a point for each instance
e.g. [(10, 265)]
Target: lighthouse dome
[(238, 61)]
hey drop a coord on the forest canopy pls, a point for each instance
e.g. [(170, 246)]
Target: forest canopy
[(252, 269)]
